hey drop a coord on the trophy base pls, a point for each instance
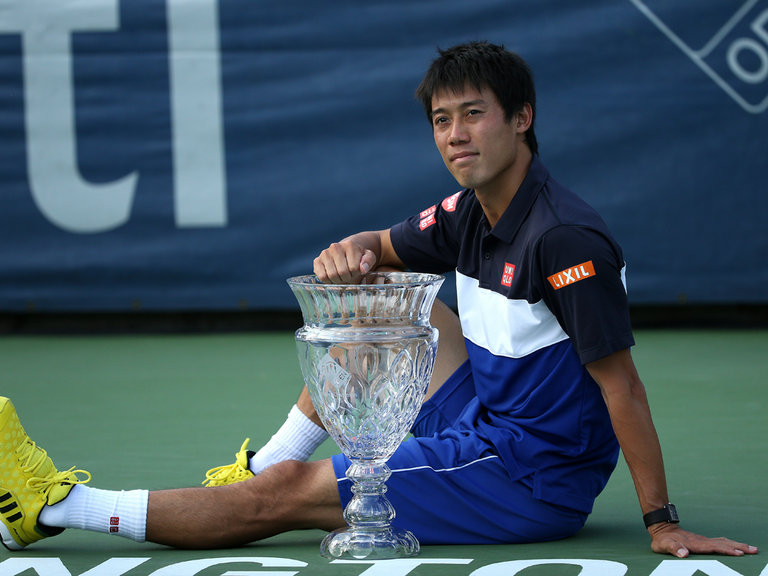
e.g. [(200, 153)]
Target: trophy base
[(372, 544)]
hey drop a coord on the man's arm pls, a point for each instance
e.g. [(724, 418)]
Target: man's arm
[(627, 403), (343, 262), (348, 260)]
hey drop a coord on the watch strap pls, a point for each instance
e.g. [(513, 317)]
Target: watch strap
[(666, 514)]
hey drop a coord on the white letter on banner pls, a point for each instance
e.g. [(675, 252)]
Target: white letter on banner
[(690, 567), (758, 26), (192, 567), (749, 45), (400, 566), (59, 191), (198, 148), (54, 566), (588, 567)]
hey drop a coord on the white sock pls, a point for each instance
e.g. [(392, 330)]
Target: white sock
[(112, 512), (297, 439)]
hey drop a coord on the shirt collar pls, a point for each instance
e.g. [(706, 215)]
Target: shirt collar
[(518, 208)]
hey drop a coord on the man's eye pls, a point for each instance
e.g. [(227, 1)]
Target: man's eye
[(440, 120)]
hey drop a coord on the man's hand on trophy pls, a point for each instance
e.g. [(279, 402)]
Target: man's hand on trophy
[(344, 262)]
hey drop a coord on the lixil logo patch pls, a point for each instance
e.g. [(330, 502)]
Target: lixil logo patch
[(572, 275)]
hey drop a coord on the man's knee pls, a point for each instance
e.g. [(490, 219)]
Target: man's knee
[(301, 494), (287, 477), (292, 475)]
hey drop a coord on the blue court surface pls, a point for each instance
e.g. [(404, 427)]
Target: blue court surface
[(157, 411)]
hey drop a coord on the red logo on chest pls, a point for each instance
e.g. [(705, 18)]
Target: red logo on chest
[(509, 274)]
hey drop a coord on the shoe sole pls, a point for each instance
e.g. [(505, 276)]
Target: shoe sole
[(7, 539)]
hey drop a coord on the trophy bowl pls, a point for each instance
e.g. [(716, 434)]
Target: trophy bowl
[(366, 353)]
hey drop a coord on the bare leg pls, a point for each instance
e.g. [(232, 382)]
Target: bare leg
[(290, 495), (451, 349), (304, 403)]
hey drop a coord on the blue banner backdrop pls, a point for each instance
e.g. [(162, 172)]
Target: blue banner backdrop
[(192, 154)]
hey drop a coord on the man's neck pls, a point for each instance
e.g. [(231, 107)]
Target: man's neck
[(496, 197)]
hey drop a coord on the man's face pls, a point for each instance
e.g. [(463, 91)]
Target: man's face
[(477, 144)]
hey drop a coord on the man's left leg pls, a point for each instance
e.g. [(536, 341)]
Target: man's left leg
[(38, 501)]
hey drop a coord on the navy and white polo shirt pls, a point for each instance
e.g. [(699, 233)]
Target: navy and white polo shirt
[(539, 295)]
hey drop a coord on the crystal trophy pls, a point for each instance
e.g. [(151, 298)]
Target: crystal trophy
[(366, 353)]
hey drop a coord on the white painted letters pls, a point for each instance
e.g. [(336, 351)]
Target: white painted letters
[(400, 566), (18, 565), (192, 567), (588, 567), (55, 567), (690, 566)]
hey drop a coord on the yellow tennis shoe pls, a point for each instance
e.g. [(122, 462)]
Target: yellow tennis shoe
[(28, 481), (231, 473)]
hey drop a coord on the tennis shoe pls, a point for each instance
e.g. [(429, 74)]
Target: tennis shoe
[(28, 481), (231, 473)]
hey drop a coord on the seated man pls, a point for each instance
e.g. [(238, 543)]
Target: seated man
[(533, 394)]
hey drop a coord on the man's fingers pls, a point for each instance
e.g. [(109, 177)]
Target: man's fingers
[(325, 267), (343, 263), (367, 262), (670, 545), (679, 550), (681, 543), (338, 262), (728, 547)]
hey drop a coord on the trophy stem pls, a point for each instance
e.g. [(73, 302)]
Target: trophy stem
[(369, 515)]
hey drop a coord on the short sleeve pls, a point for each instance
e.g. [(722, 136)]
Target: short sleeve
[(580, 275), (429, 241)]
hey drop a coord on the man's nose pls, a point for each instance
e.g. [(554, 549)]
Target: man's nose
[(458, 133)]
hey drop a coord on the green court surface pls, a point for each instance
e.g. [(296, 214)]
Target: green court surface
[(157, 411)]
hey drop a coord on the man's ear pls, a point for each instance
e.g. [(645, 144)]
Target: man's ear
[(524, 118)]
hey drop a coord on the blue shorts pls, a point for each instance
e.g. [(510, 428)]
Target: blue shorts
[(449, 486)]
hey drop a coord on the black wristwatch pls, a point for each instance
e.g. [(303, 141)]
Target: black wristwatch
[(666, 514)]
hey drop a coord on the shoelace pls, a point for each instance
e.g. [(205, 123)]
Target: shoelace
[(221, 474), (36, 457), (43, 485)]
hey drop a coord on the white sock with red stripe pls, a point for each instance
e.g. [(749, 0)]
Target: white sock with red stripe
[(123, 513)]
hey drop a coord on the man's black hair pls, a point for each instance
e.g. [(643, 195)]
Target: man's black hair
[(484, 66)]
